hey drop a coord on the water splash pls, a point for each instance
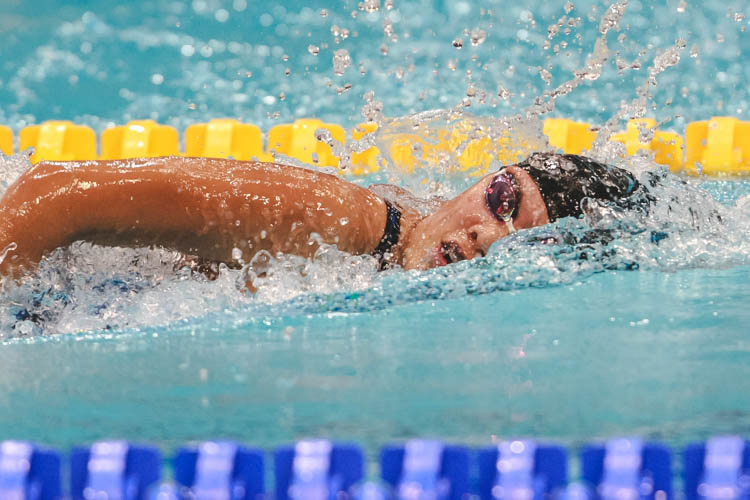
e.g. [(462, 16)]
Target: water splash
[(85, 287), (11, 168)]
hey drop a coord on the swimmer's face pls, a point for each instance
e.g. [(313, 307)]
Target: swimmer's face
[(465, 228)]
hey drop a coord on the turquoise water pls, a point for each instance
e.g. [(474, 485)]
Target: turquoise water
[(662, 355), (529, 341)]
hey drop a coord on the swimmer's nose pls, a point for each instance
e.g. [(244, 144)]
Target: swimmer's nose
[(482, 236)]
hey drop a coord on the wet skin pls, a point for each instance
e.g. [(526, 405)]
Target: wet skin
[(209, 207)]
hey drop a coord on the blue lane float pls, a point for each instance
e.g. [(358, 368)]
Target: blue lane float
[(426, 469), (718, 468), (627, 469), (215, 469), (522, 469), (114, 470), (29, 472), (317, 469)]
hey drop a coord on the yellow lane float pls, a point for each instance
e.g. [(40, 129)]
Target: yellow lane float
[(6, 140), (59, 141), (140, 139)]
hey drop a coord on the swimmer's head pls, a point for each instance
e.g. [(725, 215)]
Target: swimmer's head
[(466, 226)]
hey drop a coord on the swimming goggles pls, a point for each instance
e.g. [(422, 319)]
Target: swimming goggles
[(503, 198)]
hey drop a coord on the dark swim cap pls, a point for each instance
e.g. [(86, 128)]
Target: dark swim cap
[(565, 180)]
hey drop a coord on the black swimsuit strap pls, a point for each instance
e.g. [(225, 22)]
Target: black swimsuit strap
[(390, 234)]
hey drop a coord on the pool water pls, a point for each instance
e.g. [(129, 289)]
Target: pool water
[(644, 336)]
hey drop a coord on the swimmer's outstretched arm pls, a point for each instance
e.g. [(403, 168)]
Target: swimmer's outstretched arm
[(204, 207)]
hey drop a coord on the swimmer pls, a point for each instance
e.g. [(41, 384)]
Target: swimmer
[(210, 208)]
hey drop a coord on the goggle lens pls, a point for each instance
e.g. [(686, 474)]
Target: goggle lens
[(502, 197)]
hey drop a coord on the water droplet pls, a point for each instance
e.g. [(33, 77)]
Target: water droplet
[(222, 15), (478, 36), (338, 31), (285, 57), (157, 79), (343, 221), (720, 37), (739, 17), (370, 5), (694, 51), (388, 4), (236, 253), (388, 27), (546, 75), (681, 6), (313, 49), (323, 12), (341, 61), (568, 7), (287, 332), (263, 234), (282, 96), (458, 43), (384, 49)]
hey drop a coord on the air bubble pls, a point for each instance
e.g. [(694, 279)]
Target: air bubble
[(323, 12), (313, 49), (681, 6)]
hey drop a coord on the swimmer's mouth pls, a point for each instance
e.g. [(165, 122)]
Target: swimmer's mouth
[(449, 253)]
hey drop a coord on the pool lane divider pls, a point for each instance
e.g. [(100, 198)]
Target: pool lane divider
[(318, 469), (716, 147)]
